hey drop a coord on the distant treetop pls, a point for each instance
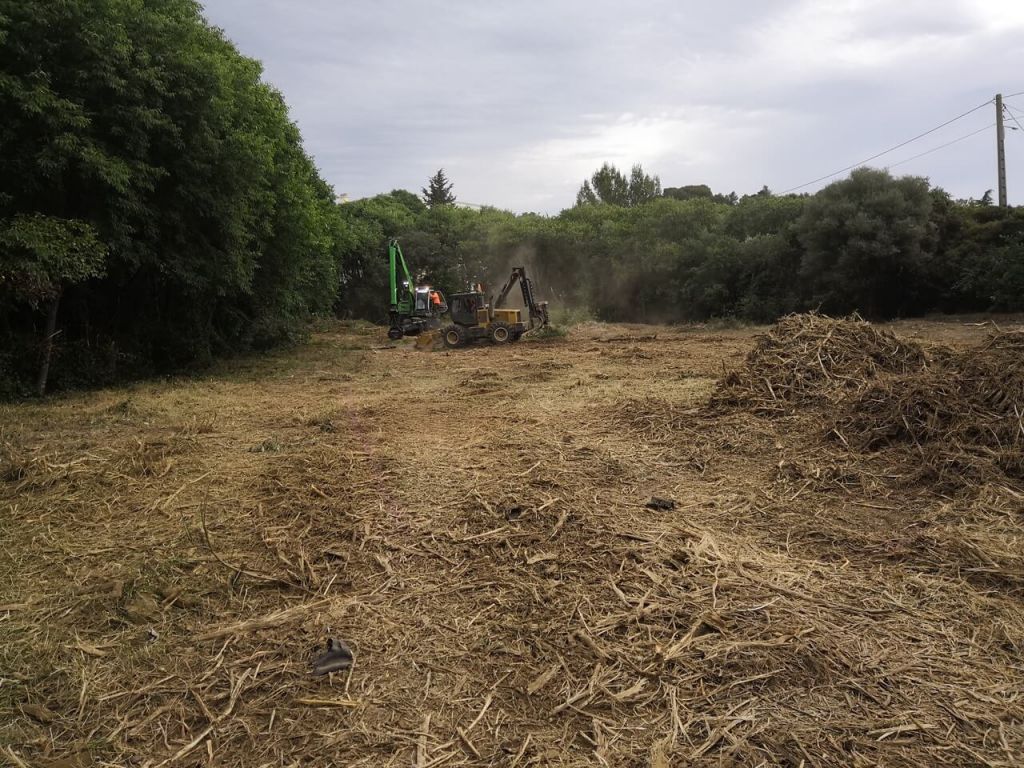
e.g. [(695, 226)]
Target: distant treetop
[(610, 186), (438, 190), (694, 191)]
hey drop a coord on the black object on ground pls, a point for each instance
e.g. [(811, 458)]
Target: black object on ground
[(337, 658), (661, 504)]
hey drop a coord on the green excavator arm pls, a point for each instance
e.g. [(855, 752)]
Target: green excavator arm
[(401, 302)]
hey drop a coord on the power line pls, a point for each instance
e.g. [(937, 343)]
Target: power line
[(943, 146), (1011, 110), (1011, 95), (886, 152), (1013, 117)]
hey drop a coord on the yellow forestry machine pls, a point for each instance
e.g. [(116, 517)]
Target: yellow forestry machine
[(416, 310), (474, 317)]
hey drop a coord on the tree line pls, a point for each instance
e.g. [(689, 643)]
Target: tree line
[(629, 251), (157, 210)]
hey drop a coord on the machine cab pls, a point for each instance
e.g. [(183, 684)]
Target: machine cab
[(428, 301), (466, 306)]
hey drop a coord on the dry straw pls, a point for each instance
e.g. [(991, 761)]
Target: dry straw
[(473, 526)]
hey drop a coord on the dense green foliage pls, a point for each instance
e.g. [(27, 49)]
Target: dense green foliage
[(609, 185), (39, 255), (157, 209), (691, 191), (872, 243), (151, 183)]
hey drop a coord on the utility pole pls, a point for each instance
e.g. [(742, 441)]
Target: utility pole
[(1000, 150)]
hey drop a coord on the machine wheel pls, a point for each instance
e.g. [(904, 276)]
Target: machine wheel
[(395, 334), (454, 336), (499, 333), (517, 335)]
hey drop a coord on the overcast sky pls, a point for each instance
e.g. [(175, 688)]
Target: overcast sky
[(520, 101)]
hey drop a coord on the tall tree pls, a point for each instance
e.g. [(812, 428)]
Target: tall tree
[(40, 256), (866, 241), (438, 190), (610, 186), (642, 188)]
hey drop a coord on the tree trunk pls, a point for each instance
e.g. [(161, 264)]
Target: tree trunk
[(51, 331)]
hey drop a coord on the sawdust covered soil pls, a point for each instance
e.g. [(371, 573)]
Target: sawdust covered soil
[(473, 525)]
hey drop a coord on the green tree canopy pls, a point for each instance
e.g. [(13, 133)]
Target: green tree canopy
[(153, 153), (40, 255), (438, 190), (692, 191), (610, 186), (866, 240)]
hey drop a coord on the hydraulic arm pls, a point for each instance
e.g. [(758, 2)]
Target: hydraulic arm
[(401, 303), (538, 310)]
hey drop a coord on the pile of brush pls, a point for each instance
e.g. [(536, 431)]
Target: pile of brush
[(810, 358), (961, 412)]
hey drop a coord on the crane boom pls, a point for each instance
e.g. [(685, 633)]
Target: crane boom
[(538, 310), (396, 258)]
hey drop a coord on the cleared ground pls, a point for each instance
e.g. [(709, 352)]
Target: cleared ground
[(473, 524)]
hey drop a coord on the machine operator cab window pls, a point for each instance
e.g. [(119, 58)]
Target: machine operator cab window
[(422, 300), (429, 301), (464, 308)]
